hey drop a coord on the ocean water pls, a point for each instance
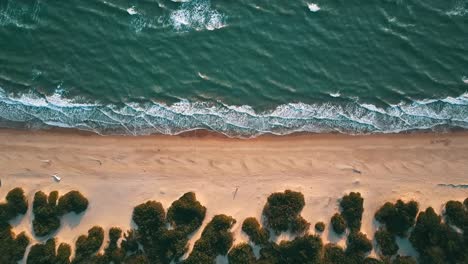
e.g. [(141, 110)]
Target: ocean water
[(242, 68)]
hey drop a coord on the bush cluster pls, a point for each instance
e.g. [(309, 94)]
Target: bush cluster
[(160, 244), (47, 212), (161, 238), (399, 217), (282, 212), (12, 246), (45, 253), (216, 239), (338, 223), (352, 207), (437, 242), (256, 233)]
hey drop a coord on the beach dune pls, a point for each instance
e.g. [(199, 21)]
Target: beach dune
[(231, 176)]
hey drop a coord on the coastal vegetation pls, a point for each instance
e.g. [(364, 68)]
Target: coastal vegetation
[(162, 236), (47, 211)]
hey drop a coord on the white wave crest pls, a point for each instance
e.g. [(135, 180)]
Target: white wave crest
[(197, 15), (235, 121), (132, 11), (313, 7)]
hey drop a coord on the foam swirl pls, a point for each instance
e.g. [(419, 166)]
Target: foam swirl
[(234, 121)]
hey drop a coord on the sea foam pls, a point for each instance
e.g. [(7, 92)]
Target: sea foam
[(197, 15), (34, 110)]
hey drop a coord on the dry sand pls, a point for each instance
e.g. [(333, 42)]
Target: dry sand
[(118, 173)]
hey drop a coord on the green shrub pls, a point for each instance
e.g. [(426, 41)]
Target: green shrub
[(282, 212), (386, 242), (338, 224), (456, 213), (112, 253), (241, 254), (72, 201), (46, 218), (63, 254), (216, 239), (435, 241), (358, 244), (333, 254), (16, 204), (352, 209), (404, 260), (150, 219), (42, 253), (398, 217), (45, 253), (47, 213), (87, 246), (130, 242), (256, 233), (306, 249), (320, 226), (186, 214), (12, 247)]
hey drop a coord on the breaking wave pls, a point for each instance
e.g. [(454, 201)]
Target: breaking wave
[(197, 15), (35, 111)]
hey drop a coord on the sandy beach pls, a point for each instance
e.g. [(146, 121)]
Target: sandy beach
[(117, 173)]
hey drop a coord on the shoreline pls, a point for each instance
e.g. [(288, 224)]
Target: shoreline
[(116, 173)]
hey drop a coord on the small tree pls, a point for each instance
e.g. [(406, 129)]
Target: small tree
[(256, 233), (282, 212), (338, 224), (386, 242), (241, 254), (352, 209), (320, 226)]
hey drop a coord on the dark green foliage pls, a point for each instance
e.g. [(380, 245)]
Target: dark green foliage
[(358, 244), (72, 201), (42, 253), (160, 244), (215, 240), (282, 212), (12, 247), (320, 226), (47, 213), (435, 241), (149, 217), (46, 219), (87, 246), (241, 254), (370, 260), (256, 233), (186, 213), (303, 249), (352, 209), (16, 204), (63, 254), (404, 260), (338, 224), (456, 213), (306, 249), (130, 242), (112, 253), (333, 254), (45, 253), (386, 242), (398, 217)]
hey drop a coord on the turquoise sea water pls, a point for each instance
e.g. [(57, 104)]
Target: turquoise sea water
[(241, 67)]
